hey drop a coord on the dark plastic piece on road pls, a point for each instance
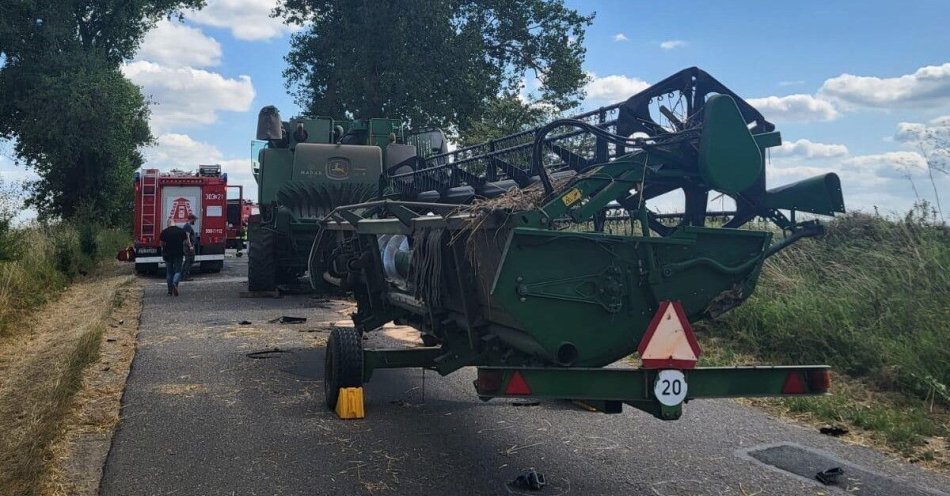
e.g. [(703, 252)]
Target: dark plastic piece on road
[(260, 355), (830, 476), (286, 319), (833, 431), (529, 479), (244, 322)]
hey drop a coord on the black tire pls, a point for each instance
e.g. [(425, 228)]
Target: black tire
[(343, 363), (287, 276), (262, 259)]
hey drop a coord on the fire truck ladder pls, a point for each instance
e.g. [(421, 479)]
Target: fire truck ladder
[(149, 207)]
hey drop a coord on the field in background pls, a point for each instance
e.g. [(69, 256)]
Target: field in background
[(872, 299)]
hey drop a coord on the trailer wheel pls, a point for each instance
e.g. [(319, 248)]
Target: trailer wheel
[(343, 365), (261, 259)]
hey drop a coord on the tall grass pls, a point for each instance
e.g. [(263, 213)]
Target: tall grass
[(871, 298), (41, 260)]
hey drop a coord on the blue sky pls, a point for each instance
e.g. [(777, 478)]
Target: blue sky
[(851, 85)]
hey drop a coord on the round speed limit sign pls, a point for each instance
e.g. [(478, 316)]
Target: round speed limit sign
[(670, 387)]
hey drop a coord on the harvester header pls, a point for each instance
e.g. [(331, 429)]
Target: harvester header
[(536, 257)]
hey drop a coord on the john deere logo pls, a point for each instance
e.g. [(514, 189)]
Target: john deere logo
[(338, 168)]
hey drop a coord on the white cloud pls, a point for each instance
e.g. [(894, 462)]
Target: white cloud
[(180, 151), (188, 96), (797, 107), (804, 148), (937, 130), (942, 121), (791, 83), (672, 44), (889, 165), (173, 44), (246, 19), (10, 172), (927, 86), (613, 88), (931, 140), (889, 181), (621, 37)]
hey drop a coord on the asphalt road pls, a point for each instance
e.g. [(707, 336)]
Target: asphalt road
[(202, 417)]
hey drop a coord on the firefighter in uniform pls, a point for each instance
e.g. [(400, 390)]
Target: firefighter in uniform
[(189, 229)]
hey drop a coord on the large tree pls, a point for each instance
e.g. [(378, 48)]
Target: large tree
[(432, 62), (79, 125), (72, 115)]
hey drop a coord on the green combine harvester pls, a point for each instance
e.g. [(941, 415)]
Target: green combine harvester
[(535, 257)]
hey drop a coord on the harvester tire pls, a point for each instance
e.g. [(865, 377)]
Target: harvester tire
[(261, 260), (343, 363)]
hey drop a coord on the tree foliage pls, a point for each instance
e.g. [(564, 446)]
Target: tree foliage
[(79, 128), (73, 117), (34, 30), (432, 62), (504, 115)]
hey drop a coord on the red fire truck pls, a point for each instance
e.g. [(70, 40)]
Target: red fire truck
[(165, 198)]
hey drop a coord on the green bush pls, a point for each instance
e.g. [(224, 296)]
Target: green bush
[(9, 241), (88, 242), (50, 258), (871, 298)]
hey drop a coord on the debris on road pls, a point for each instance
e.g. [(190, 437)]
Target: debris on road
[(830, 476), (529, 479), (244, 322), (260, 294), (833, 431), (288, 320), (260, 355)]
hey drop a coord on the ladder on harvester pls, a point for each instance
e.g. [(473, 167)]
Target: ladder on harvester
[(149, 207)]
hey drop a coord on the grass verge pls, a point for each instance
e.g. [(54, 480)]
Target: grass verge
[(42, 360), (872, 299)]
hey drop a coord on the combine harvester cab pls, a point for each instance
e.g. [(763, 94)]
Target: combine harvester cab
[(304, 168), (536, 259), (163, 198)]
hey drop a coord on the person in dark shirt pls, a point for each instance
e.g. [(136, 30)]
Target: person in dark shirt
[(174, 241), (189, 229)]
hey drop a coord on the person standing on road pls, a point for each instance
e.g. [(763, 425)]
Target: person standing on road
[(190, 247), (173, 240)]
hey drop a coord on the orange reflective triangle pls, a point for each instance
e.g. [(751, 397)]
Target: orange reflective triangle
[(669, 341)]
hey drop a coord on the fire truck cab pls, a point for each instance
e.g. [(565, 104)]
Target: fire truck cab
[(166, 198), (239, 213)]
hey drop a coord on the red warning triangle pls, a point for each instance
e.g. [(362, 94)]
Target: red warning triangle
[(669, 341), (793, 384), (517, 385)]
